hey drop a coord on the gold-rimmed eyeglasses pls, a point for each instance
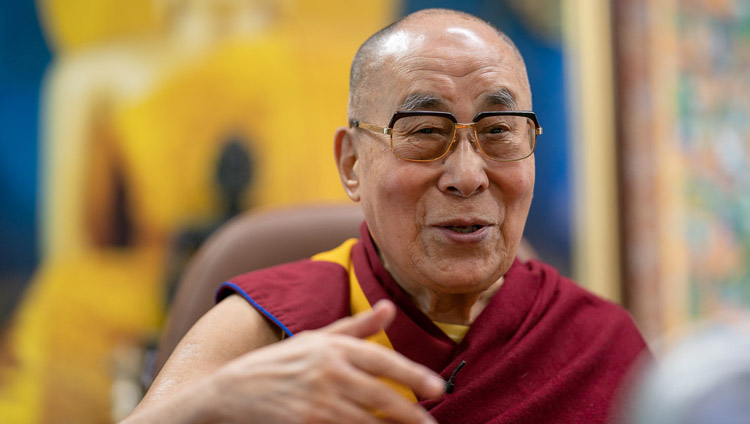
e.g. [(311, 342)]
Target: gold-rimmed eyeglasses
[(424, 136)]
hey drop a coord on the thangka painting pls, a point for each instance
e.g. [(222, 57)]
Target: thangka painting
[(684, 131)]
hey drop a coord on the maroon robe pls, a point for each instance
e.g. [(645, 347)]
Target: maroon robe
[(544, 350)]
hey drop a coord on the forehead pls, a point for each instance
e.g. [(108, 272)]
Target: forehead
[(458, 65)]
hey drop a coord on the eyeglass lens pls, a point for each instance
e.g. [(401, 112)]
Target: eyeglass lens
[(502, 138)]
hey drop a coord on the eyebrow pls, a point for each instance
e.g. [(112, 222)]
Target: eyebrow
[(500, 97), (419, 101)]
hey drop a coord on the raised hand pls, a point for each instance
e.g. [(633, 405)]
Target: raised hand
[(327, 375)]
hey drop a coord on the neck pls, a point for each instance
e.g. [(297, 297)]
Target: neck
[(460, 308)]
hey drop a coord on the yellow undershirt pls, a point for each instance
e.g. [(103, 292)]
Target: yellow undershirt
[(455, 331)]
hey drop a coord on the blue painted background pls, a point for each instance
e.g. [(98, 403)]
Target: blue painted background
[(23, 58)]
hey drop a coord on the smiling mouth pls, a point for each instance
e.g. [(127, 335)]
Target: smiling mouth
[(464, 229)]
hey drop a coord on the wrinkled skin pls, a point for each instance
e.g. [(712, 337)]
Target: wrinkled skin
[(407, 205)]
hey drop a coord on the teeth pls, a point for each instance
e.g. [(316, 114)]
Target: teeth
[(464, 229)]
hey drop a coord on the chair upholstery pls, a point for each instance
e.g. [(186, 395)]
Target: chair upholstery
[(256, 240)]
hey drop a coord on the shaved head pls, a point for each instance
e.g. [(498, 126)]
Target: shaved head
[(453, 63), (392, 40)]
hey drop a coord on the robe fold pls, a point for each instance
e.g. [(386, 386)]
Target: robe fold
[(543, 350)]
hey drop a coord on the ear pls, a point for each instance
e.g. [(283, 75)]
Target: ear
[(347, 161)]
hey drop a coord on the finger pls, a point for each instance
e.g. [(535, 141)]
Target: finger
[(383, 362), (365, 390), (366, 323)]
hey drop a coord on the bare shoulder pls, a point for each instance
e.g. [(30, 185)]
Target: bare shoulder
[(231, 328)]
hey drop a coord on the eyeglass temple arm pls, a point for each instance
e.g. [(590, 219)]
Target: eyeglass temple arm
[(365, 125)]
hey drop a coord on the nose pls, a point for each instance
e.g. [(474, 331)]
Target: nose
[(464, 168)]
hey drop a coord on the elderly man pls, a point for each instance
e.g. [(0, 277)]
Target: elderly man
[(439, 152)]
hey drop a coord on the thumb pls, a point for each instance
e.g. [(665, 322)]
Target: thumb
[(366, 323)]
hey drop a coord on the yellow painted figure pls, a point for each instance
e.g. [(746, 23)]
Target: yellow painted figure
[(144, 138)]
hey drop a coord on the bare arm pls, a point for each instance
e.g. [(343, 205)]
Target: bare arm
[(228, 330), (327, 375)]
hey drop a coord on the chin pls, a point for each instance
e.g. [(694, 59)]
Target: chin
[(470, 281)]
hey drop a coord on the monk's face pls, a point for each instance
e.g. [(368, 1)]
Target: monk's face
[(453, 225)]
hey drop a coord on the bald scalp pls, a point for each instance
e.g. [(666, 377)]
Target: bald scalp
[(366, 63)]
